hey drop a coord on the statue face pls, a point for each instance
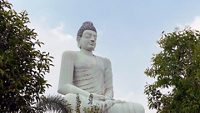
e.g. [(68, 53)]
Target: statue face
[(88, 40)]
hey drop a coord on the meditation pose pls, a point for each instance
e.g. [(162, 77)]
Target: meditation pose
[(86, 74)]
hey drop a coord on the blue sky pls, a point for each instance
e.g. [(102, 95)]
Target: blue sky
[(127, 34)]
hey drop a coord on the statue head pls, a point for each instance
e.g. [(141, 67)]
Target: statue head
[(86, 36)]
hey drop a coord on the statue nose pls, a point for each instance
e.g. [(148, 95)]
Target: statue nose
[(92, 39)]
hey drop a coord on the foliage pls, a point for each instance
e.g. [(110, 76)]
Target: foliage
[(78, 104), (58, 104), (177, 72), (22, 66), (54, 103), (92, 108)]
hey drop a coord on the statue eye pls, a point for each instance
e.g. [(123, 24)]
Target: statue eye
[(95, 36), (88, 35)]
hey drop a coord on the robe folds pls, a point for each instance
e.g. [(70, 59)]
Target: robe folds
[(92, 74)]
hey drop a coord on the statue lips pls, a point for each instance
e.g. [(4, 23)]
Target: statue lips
[(92, 44)]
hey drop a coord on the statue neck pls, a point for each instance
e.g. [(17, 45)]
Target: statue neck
[(89, 53)]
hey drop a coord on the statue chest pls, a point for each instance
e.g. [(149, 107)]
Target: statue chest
[(89, 73), (88, 63)]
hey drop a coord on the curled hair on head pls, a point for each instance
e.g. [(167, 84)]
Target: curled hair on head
[(85, 26)]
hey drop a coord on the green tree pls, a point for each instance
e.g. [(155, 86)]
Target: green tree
[(22, 65), (176, 70)]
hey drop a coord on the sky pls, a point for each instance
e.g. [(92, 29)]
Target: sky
[(127, 31)]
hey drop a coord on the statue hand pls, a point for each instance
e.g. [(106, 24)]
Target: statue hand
[(98, 97)]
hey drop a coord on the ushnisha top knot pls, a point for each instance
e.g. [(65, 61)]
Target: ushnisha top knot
[(86, 26)]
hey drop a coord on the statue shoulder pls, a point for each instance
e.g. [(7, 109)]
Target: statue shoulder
[(108, 62), (105, 60), (69, 54)]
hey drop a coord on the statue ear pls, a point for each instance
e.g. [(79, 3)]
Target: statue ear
[(78, 41)]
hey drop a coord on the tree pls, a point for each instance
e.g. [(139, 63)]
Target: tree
[(22, 66), (176, 70)]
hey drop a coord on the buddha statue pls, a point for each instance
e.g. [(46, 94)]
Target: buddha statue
[(86, 74)]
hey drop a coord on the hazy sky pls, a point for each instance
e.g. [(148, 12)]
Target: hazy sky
[(127, 34)]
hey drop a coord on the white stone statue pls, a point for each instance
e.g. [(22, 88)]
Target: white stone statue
[(84, 73)]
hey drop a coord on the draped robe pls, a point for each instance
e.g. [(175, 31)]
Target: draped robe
[(94, 75)]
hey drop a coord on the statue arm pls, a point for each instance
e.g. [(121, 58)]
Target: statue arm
[(66, 75), (108, 80)]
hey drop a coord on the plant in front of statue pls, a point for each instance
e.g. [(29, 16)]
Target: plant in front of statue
[(54, 103), (58, 104), (92, 108), (177, 72), (78, 103)]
